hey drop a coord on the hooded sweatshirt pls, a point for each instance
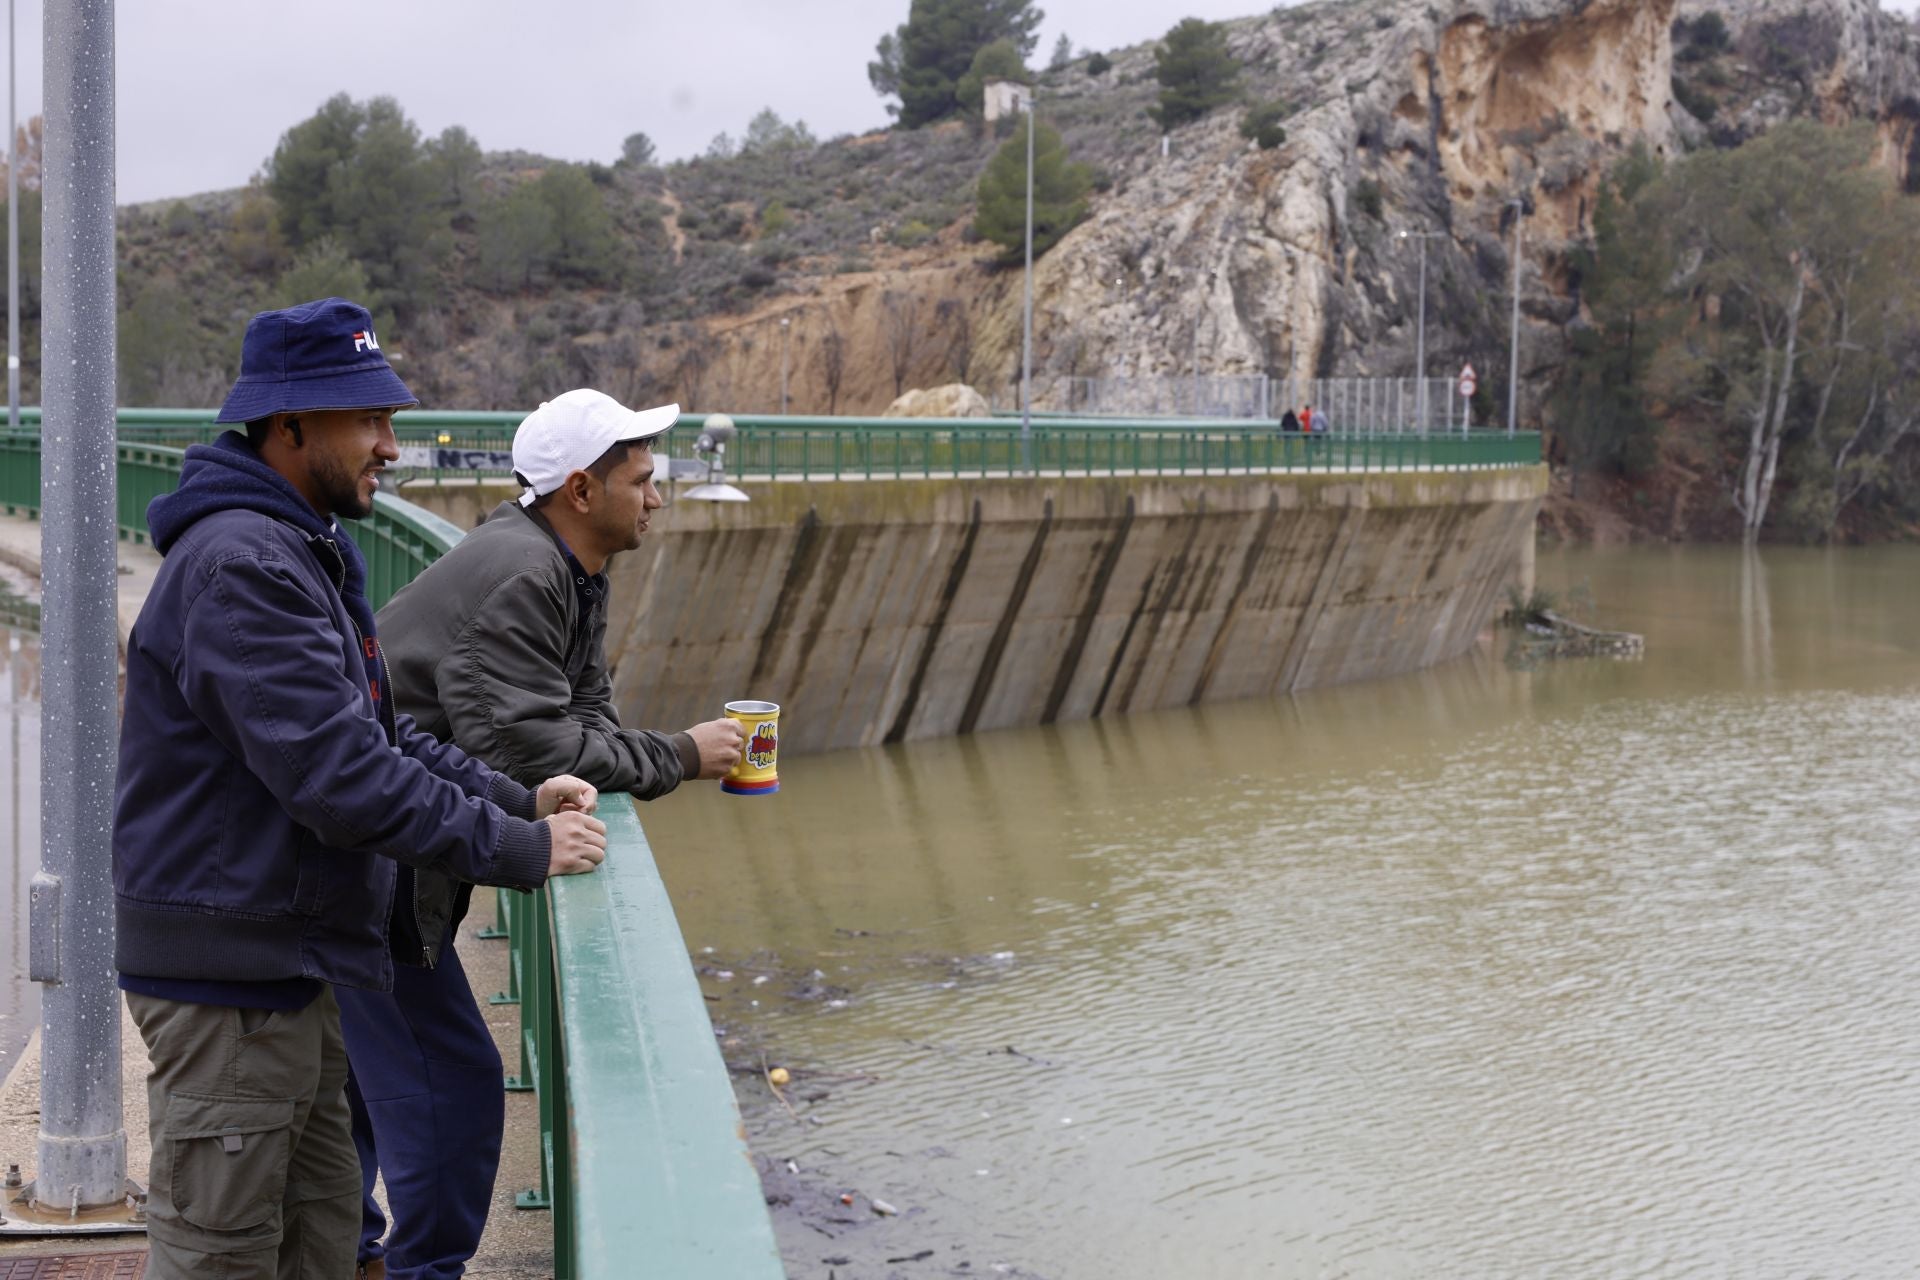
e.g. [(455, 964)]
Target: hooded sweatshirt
[(266, 790)]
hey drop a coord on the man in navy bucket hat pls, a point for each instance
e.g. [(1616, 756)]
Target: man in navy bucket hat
[(266, 799)]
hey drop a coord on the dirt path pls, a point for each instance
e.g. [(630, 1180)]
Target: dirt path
[(675, 235)]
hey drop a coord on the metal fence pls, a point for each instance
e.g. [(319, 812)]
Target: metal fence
[(972, 451), (442, 445), (1349, 404), (640, 1142)]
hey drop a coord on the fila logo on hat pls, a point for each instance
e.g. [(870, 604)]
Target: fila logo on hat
[(365, 341)]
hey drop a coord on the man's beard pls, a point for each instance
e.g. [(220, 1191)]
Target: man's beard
[(341, 489)]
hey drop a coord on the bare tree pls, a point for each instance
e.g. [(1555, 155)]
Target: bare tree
[(952, 316), (690, 368), (833, 364), (618, 366), (902, 326), (727, 372)]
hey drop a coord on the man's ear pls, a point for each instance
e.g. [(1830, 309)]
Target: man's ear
[(577, 489), (284, 428)]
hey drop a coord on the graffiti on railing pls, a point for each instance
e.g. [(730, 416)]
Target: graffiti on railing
[(428, 457)]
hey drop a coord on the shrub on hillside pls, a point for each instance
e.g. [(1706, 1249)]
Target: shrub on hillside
[(1196, 72), (1261, 124)]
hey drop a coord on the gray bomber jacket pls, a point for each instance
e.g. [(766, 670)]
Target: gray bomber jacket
[(487, 650)]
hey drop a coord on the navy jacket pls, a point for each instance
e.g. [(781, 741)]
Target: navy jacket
[(263, 795)]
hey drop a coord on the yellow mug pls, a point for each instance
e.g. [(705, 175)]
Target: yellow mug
[(757, 773)]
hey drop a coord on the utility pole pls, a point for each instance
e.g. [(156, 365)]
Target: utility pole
[(82, 1151), (1026, 325), (1513, 356), (1420, 341), (786, 322), (13, 237)]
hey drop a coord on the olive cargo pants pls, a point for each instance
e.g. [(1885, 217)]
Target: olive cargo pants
[(254, 1173)]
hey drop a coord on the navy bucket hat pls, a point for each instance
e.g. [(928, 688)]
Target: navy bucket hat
[(318, 355)]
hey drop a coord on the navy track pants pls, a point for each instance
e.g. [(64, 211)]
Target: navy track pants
[(428, 1109)]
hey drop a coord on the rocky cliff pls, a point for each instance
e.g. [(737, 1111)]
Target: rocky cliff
[(1413, 118)]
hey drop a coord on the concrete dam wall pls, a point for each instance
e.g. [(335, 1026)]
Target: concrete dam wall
[(884, 611)]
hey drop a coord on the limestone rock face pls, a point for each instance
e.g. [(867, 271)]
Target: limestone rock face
[(1415, 121), (956, 400)]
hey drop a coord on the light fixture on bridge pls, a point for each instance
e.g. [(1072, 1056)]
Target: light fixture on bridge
[(711, 445)]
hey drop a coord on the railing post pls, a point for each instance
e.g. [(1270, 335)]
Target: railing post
[(537, 1036), (82, 1149)]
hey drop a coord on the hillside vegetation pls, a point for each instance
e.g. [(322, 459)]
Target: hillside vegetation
[(1718, 304)]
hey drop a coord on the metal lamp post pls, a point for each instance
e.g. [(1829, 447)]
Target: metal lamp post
[(13, 239), (1420, 340), (1513, 355), (1026, 324), (82, 1147)]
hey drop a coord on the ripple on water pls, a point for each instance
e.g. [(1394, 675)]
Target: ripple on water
[(1620, 986)]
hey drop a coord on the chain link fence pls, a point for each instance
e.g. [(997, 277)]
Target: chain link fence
[(1360, 405)]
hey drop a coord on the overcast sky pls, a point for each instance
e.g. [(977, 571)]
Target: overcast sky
[(206, 87)]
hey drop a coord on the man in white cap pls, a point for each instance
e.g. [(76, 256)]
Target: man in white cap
[(499, 647)]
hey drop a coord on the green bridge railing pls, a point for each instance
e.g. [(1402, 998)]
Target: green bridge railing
[(774, 447), (642, 1159)]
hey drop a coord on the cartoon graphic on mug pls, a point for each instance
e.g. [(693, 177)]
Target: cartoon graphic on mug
[(757, 774)]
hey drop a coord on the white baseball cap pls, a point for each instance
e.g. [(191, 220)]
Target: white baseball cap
[(569, 433)]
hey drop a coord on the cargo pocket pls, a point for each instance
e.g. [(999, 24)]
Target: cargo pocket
[(229, 1166)]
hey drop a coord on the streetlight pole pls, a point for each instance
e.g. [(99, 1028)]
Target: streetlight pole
[(786, 322), (13, 240), (1026, 326), (1513, 354), (83, 1146)]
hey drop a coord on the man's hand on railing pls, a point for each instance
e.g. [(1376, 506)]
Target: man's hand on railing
[(720, 743), (562, 793), (579, 843)]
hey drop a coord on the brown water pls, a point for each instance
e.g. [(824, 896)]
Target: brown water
[(1600, 968), (19, 830)]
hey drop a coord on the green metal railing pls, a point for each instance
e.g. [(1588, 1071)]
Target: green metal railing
[(642, 1158), (773, 447)]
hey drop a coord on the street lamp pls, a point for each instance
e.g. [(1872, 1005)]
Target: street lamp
[(1420, 342), (13, 243), (1026, 325), (786, 322), (1519, 208)]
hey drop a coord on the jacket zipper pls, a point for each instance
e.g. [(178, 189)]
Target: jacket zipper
[(413, 898), (386, 688)]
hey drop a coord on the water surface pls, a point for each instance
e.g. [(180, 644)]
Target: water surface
[(1599, 968)]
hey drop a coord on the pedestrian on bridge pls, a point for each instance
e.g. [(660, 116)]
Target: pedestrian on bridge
[(499, 647), (267, 793)]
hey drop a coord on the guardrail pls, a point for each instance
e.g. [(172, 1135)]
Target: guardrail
[(775, 447), (643, 1163)]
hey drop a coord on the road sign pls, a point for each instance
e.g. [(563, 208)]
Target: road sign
[(1468, 381)]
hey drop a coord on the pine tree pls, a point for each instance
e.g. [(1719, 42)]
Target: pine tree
[(998, 61), (1196, 72), (923, 60), (1059, 193)]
